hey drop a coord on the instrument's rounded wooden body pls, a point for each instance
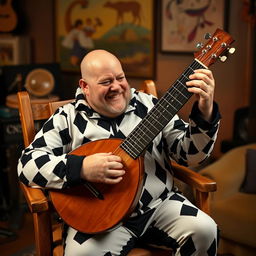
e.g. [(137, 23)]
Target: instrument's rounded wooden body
[(80, 209)]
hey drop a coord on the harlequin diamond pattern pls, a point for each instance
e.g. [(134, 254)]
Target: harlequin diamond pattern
[(40, 180), (146, 197), (188, 210), (188, 248), (160, 172), (82, 237), (48, 126), (65, 137), (88, 124), (80, 123)]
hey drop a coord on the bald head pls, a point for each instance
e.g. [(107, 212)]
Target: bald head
[(104, 83), (97, 60)]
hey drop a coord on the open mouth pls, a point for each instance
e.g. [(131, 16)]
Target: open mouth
[(113, 96)]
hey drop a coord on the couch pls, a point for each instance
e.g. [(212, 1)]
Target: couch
[(232, 206)]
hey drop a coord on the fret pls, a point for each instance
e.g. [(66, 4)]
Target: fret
[(158, 117), (186, 94), (143, 137), (149, 122), (190, 71), (186, 78), (182, 85), (168, 103), (129, 146), (165, 104), (132, 151), (177, 94), (157, 112), (138, 136), (134, 144)]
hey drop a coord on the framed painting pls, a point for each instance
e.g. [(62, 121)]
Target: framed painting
[(123, 27), (14, 50), (184, 23)]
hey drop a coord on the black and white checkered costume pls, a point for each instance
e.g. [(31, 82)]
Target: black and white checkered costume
[(162, 216)]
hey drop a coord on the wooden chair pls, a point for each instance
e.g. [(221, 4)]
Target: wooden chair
[(48, 237)]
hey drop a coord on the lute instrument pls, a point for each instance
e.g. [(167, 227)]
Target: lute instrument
[(97, 207)]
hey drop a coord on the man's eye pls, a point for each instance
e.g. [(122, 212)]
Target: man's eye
[(105, 82), (120, 78)]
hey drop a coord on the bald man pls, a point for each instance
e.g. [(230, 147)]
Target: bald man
[(105, 107)]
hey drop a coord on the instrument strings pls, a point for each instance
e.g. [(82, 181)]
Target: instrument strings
[(160, 114)]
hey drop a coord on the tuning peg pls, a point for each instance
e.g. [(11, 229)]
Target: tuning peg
[(223, 58), (231, 50), (199, 45), (207, 36)]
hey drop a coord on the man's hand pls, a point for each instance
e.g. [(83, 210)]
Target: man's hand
[(102, 167), (202, 84)]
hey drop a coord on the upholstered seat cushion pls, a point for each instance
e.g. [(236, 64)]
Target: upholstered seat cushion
[(236, 217)]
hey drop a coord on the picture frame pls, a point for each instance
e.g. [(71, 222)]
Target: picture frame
[(14, 50), (124, 27), (184, 23)]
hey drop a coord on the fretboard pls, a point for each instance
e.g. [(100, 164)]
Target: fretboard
[(160, 115)]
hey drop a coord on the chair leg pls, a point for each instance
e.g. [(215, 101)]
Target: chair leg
[(43, 233), (202, 201)]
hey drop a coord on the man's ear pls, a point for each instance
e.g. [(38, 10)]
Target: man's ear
[(83, 85)]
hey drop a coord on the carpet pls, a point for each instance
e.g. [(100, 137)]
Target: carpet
[(28, 251)]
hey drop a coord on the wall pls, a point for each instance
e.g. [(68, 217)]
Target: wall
[(232, 78), (232, 90)]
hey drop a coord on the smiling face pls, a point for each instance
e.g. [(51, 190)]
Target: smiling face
[(104, 84)]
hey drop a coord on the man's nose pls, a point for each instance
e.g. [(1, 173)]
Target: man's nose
[(115, 85)]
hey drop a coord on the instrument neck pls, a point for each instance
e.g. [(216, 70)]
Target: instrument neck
[(159, 116)]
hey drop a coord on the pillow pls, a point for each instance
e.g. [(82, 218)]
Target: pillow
[(249, 183)]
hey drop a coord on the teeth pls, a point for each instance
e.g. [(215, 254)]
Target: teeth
[(113, 95)]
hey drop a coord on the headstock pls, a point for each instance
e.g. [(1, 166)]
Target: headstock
[(217, 45)]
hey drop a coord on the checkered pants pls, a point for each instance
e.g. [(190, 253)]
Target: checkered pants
[(175, 223)]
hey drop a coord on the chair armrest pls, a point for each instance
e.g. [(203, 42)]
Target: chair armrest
[(193, 178), (36, 199)]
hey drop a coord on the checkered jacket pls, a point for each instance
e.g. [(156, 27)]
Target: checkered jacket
[(46, 162)]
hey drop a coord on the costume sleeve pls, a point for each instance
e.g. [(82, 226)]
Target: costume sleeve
[(46, 162), (191, 143)]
